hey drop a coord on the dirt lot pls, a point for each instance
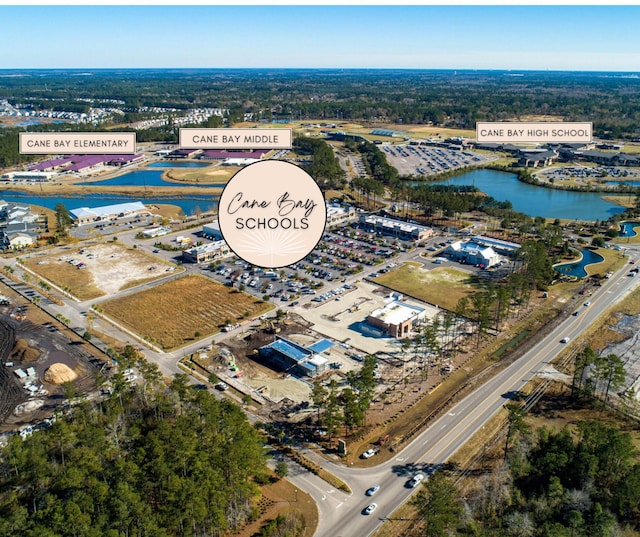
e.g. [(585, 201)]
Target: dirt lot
[(176, 312), (109, 268), (52, 343)]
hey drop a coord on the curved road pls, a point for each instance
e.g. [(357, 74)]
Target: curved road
[(341, 515)]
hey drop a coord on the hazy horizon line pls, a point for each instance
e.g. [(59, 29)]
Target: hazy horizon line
[(514, 70)]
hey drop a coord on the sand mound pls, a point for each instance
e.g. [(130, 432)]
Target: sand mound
[(27, 407), (59, 374), (23, 353)]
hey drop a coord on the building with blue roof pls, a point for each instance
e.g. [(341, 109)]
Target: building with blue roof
[(297, 359)]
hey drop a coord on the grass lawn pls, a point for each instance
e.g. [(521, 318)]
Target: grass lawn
[(211, 174), (442, 286), (613, 260), (174, 313)]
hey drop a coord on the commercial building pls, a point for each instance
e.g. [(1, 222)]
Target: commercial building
[(473, 253), (297, 359), (340, 214), (205, 253), (87, 215), (397, 228), (155, 232), (396, 318), (499, 245), (212, 231)]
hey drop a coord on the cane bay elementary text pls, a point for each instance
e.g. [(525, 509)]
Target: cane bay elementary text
[(235, 138), (39, 143), (539, 132)]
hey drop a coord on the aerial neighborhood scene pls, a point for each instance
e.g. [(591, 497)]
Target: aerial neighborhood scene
[(450, 347)]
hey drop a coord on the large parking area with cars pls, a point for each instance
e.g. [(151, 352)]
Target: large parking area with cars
[(421, 160)]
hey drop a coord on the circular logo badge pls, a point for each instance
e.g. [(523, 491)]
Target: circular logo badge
[(272, 213)]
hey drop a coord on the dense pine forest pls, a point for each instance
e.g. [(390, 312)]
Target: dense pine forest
[(457, 98), (148, 461)]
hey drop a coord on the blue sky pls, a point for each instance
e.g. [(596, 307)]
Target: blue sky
[(425, 37)]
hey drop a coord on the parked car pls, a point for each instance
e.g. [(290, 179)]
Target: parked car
[(368, 454)]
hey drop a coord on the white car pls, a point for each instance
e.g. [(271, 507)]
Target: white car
[(370, 508), (372, 490), (369, 453), (416, 480), (587, 304), (565, 340)]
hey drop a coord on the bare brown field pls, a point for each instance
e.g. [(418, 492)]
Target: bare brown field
[(79, 283), (70, 188), (109, 269), (184, 309), (627, 202), (165, 210)]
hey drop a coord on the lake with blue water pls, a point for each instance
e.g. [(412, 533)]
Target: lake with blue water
[(628, 229), (538, 201), (503, 186), (147, 178), (178, 164), (188, 204), (577, 268)]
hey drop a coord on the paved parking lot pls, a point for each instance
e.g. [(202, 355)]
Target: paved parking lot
[(344, 317), (421, 160)]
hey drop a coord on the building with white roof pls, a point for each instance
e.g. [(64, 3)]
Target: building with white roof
[(205, 253), (155, 232), (212, 231), (87, 215), (31, 176), (396, 318), (339, 214), (473, 254), (240, 161)]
